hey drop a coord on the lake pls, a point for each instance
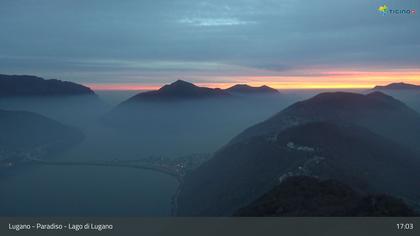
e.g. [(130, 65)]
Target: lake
[(85, 191)]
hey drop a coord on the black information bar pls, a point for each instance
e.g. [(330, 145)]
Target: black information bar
[(211, 226)]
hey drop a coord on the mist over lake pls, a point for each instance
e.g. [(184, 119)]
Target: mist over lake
[(139, 153), (115, 191)]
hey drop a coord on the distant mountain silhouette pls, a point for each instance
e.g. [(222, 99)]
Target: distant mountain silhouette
[(408, 93), (184, 91), (398, 86), (365, 141), (308, 196), (27, 85), (185, 117), (178, 90), (23, 133), (246, 89)]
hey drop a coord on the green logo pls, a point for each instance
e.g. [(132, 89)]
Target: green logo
[(383, 9)]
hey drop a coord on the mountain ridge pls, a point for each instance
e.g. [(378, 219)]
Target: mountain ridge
[(178, 90), (376, 111), (308, 196), (241, 172), (397, 86), (25, 134), (181, 90), (29, 85), (247, 89), (350, 137)]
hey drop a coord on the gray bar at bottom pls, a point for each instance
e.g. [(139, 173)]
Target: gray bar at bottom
[(211, 226)]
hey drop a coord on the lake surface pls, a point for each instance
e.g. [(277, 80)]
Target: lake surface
[(85, 191)]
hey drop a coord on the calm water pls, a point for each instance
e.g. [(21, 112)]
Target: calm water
[(85, 191)]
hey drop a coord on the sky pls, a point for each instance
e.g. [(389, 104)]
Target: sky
[(139, 44)]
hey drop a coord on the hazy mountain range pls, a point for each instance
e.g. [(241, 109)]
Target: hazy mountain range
[(246, 89), (352, 148), (366, 141), (26, 131), (181, 90), (184, 112), (178, 90), (29, 135), (376, 111), (64, 101), (407, 93)]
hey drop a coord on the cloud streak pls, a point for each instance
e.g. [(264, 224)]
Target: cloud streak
[(203, 22)]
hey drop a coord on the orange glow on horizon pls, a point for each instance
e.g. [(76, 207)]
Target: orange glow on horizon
[(114, 86), (330, 80)]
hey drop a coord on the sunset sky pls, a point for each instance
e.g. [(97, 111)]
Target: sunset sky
[(287, 44)]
